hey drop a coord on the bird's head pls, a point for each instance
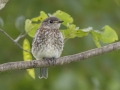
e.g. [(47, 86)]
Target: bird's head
[(52, 23)]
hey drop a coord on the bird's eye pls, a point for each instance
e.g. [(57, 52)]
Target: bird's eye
[(51, 21)]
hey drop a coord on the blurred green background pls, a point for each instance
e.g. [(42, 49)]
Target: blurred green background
[(97, 73)]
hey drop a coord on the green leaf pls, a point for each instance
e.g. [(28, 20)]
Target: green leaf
[(31, 28), (63, 16), (108, 35), (80, 33), (95, 38), (83, 32), (72, 31), (69, 32), (41, 17), (27, 56)]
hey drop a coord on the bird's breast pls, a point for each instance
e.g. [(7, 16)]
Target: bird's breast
[(48, 44)]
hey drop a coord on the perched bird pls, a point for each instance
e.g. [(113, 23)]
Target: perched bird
[(48, 42)]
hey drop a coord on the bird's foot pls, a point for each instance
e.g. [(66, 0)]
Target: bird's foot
[(51, 61)]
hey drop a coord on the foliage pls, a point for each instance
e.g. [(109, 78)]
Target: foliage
[(27, 56), (107, 35)]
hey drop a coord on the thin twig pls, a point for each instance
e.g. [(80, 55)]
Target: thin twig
[(22, 35), (61, 60), (19, 37), (16, 42)]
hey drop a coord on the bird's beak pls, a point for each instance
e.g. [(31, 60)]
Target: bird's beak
[(61, 21)]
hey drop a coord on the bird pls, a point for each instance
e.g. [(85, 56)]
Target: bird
[(48, 43)]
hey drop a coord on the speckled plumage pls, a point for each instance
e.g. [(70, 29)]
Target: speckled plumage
[(48, 41)]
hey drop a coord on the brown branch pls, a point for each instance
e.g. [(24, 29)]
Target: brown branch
[(61, 60)]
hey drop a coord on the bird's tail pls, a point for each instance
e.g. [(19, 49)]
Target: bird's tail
[(43, 73)]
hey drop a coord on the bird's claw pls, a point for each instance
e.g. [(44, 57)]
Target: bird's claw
[(50, 61)]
